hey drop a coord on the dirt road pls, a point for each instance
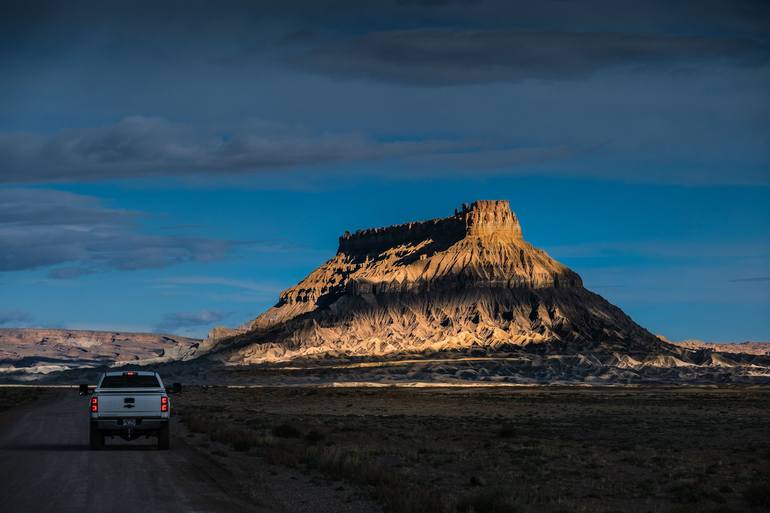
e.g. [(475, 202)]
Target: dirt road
[(45, 465)]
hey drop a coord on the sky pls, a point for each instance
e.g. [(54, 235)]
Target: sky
[(172, 166)]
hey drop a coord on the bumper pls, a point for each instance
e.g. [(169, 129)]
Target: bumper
[(119, 424)]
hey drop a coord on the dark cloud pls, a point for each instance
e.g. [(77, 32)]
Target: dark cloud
[(644, 91), (187, 320), (138, 147), (41, 228), (451, 56), (490, 159), (413, 42), (142, 146), (14, 317)]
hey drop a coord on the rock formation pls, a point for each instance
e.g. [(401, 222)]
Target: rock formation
[(461, 298), (753, 348), (469, 280), (31, 351), (458, 299)]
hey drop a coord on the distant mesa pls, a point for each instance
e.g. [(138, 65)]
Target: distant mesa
[(462, 298), (29, 352), (753, 348), (489, 219), (464, 283)]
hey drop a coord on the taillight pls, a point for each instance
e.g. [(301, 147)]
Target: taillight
[(94, 404), (164, 403)]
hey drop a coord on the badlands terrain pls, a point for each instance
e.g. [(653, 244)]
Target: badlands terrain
[(455, 300), (755, 348), (30, 352), (409, 358)]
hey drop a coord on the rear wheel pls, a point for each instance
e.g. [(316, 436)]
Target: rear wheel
[(164, 437), (95, 438)]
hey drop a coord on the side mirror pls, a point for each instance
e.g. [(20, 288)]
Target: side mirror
[(83, 389), (176, 388)]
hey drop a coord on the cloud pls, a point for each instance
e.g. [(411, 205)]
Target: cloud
[(188, 320), (14, 317), (139, 146), (451, 56), (250, 285), (490, 159), (752, 279), (68, 273), (220, 289), (701, 124), (148, 146), (43, 227), (663, 272), (665, 250)]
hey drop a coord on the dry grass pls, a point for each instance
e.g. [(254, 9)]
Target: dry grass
[(392, 489), (503, 451), (11, 397), (239, 438), (758, 495)]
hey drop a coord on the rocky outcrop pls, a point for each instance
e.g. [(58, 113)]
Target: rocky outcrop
[(752, 348), (463, 281), (41, 351), (455, 299), (479, 247)]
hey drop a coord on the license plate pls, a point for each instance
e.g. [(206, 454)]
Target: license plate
[(129, 422)]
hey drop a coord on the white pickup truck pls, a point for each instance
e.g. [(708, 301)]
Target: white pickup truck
[(129, 404)]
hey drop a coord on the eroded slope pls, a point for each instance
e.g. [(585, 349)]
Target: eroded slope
[(468, 280)]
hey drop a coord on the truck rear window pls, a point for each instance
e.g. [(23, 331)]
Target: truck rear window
[(130, 381)]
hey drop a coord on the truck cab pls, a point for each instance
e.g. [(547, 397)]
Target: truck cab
[(129, 404)]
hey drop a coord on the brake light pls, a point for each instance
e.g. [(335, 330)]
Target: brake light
[(164, 403), (94, 404), (130, 373)]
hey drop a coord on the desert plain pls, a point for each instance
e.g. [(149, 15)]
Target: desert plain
[(493, 449)]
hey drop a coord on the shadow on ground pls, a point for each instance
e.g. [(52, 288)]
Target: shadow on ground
[(78, 447)]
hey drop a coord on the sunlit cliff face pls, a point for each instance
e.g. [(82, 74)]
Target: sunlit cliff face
[(468, 279)]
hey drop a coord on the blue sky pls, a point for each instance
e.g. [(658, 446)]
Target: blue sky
[(172, 169)]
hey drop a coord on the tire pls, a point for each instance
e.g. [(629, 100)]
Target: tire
[(164, 437), (95, 438)]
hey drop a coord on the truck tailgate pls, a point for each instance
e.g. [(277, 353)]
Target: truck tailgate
[(130, 403)]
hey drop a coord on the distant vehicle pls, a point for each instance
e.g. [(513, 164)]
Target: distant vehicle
[(129, 404)]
